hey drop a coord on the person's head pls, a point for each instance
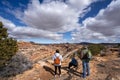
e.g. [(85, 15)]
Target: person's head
[(85, 47), (74, 55), (57, 51)]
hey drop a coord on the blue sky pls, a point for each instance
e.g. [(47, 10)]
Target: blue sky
[(61, 21)]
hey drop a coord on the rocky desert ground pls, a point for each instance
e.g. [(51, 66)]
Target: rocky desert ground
[(33, 62)]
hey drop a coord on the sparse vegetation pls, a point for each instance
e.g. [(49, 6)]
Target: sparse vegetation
[(18, 64), (96, 48), (118, 45), (8, 46)]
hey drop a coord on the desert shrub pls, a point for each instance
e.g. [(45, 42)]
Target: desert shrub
[(16, 65)]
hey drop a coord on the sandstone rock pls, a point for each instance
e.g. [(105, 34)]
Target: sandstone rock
[(50, 61), (112, 77), (99, 59), (42, 68), (42, 63)]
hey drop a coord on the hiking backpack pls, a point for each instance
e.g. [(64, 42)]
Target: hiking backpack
[(87, 55), (57, 60)]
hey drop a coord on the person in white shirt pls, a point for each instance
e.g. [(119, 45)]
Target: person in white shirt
[(57, 63)]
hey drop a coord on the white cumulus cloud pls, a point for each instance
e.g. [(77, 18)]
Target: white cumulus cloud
[(24, 32), (106, 24), (49, 19), (53, 16)]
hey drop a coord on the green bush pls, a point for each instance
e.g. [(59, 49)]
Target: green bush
[(118, 45), (8, 46), (96, 48)]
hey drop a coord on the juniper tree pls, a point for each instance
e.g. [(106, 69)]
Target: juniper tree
[(8, 46)]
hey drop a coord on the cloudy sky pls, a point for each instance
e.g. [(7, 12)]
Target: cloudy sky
[(60, 21)]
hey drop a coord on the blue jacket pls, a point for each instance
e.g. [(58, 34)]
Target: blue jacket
[(74, 61)]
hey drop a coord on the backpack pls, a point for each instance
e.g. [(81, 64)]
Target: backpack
[(87, 55), (57, 60)]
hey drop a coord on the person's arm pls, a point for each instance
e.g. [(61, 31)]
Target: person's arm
[(61, 58), (53, 57)]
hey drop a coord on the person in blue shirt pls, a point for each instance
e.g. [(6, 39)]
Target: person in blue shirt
[(73, 63)]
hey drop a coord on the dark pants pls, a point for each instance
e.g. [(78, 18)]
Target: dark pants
[(71, 64), (59, 69)]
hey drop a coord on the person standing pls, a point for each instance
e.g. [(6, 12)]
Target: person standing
[(85, 56), (57, 58)]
